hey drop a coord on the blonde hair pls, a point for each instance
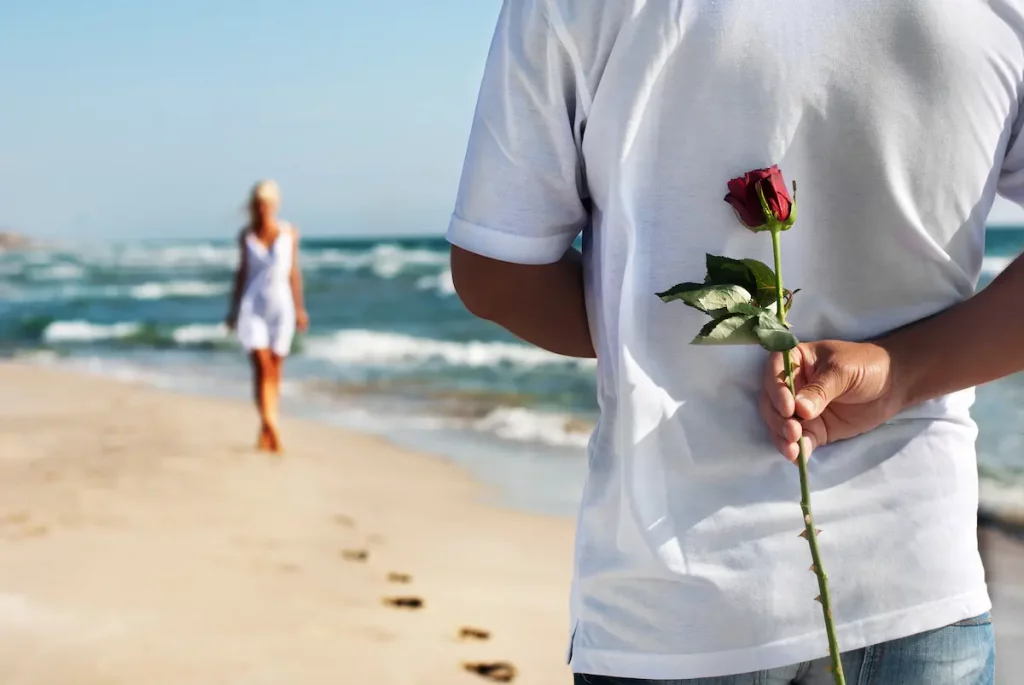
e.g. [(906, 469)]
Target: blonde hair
[(266, 190)]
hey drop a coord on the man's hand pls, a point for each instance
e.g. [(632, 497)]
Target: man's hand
[(843, 389)]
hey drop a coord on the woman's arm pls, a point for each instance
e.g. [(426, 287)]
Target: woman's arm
[(236, 291), (301, 317)]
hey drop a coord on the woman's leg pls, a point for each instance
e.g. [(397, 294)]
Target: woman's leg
[(262, 371), (273, 399)]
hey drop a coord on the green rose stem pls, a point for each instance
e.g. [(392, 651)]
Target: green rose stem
[(805, 491)]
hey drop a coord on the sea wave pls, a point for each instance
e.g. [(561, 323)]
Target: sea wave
[(993, 266), (383, 348), (134, 333), (442, 283), (59, 272), (84, 331), (200, 334), (163, 257), (1003, 498), (526, 425), (159, 291), (385, 260)]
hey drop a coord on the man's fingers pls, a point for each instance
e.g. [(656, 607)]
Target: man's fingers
[(786, 449), (778, 426), (791, 451), (775, 388), (774, 367), (814, 397)]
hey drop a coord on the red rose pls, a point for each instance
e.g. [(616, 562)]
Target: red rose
[(745, 199)]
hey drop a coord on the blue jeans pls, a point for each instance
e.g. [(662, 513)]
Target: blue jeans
[(961, 654)]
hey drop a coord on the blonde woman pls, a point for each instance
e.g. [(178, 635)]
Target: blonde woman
[(267, 302)]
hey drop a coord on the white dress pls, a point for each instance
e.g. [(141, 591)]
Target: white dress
[(266, 315)]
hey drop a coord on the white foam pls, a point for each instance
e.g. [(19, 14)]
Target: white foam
[(1003, 499), (993, 266), (159, 291), (197, 334), (525, 425), (59, 272), (381, 348), (386, 260), (83, 331), (442, 283), (165, 256)]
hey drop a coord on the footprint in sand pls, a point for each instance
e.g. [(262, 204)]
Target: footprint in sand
[(23, 526), (404, 602), (15, 518), (346, 521), (498, 671), (359, 555), (474, 634), (401, 578), (36, 531)]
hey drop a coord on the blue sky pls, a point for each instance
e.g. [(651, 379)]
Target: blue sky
[(124, 118)]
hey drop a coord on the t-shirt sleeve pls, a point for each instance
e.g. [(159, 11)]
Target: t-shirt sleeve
[(519, 197)]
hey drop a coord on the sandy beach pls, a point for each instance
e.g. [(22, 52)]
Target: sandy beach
[(143, 541)]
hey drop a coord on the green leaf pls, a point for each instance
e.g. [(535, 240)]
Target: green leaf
[(755, 277), (746, 309), (789, 298), (773, 335), (764, 278), (676, 292), (716, 299), (728, 271), (710, 299), (732, 330)]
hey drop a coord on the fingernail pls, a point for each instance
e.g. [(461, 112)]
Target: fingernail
[(806, 404)]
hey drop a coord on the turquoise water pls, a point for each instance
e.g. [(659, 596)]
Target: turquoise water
[(391, 350)]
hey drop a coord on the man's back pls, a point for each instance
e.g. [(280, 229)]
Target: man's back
[(625, 120)]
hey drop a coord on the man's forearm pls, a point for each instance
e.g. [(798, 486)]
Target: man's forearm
[(974, 342), (544, 305)]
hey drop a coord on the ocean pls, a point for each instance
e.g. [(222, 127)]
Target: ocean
[(391, 351)]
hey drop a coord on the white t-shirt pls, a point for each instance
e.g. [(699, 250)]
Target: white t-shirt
[(899, 122)]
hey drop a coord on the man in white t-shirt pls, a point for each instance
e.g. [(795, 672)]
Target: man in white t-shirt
[(623, 121)]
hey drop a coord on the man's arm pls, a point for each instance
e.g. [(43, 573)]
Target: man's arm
[(542, 304), (977, 341), (845, 389)]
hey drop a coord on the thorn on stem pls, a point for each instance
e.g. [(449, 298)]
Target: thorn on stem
[(818, 599), (813, 569)]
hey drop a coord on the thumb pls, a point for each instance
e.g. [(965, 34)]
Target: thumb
[(814, 397)]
